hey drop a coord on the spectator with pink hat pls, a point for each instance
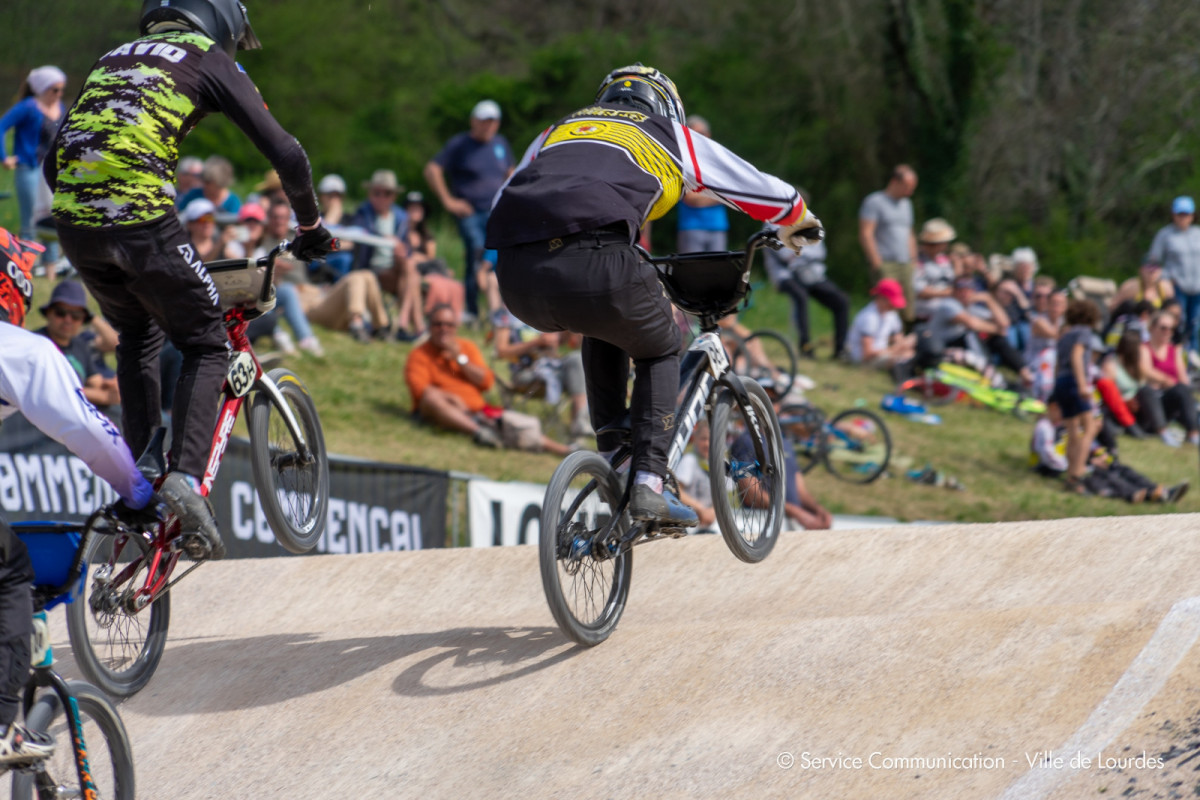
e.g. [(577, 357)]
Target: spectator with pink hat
[(877, 334)]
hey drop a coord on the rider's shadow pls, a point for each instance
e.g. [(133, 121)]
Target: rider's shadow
[(209, 676)]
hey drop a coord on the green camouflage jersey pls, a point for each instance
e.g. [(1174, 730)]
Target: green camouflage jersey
[(113, 163)]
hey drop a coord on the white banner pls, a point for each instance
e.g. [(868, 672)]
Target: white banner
[(504, 513)]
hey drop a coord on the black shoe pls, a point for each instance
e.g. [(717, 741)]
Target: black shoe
[(201, 538), (360, 333), (1135, 431), (648, 505), (1176, 493)]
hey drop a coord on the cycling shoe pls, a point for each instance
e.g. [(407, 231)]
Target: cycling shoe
[(647, 505), (201, 538)]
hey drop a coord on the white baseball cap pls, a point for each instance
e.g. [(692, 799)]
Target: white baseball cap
[(331, 183), (486, 109)]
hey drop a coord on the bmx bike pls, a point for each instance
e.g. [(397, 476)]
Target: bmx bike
[(854, 445), (119, 630), (587, 537), (92, 756)]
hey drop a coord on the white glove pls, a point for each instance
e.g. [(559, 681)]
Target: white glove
[(808, 231)]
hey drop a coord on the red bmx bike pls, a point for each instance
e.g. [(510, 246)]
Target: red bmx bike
[(118, 628)]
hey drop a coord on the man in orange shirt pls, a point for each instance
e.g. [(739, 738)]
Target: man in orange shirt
[(447, 377)]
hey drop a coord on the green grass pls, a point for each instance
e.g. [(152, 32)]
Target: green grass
[(365, 410)]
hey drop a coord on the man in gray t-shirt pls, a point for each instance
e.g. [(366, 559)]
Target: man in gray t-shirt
[(885, 231)]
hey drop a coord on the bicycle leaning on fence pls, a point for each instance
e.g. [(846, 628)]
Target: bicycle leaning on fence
[(119, 630), (92, 755), (587, 537)]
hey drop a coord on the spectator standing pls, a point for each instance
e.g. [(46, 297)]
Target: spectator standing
[(66, 314), (877, 336), (465, 176), (703, 220), (885, 231), (216, 180), (1177, 248), (34, 121), (1073, 390), (801, 275)]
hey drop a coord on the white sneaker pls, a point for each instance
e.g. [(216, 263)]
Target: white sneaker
[(581, 426), (309, 344), (283, 340)]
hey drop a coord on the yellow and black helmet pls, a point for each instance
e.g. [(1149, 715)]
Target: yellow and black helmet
[(642, 87)]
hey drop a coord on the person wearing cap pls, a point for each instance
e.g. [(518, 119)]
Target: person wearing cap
[(34, 121), (885, 232), (933, 273), (216, 182), (1177, 247), (974, 322), (242, 239), (465, 176), (200, 219), (331, 195), (877, 336), (397, 273), (66, 314)]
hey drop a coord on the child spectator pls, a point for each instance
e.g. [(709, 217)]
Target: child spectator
[(695, 486), (1072, 389), (877, 335)]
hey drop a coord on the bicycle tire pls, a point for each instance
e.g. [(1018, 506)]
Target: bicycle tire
[(103, 733), (858, 446), (796, 425), (601, 584), (294, 494), (115, 649), (750, 531), (778, 349)]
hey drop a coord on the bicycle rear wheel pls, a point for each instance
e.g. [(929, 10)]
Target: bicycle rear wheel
[(747, 493), (857, 446), (779, 371), (109, 754), (117, 648), (586, 594), (293, 488)]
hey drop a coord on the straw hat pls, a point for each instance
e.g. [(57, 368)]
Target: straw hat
[(937, 231)]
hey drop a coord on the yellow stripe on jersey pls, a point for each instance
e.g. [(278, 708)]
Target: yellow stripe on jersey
[(647, 153)]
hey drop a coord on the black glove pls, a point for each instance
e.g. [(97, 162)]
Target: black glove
[(137, 517), (311, 245)]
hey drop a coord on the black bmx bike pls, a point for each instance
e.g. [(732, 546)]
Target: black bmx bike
[(587, 536)]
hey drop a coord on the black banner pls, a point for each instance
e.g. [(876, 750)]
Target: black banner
[(373, 507)]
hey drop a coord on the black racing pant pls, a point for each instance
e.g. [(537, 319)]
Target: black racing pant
[(151, 287), (595, 284), (826, 293), (16, 621)]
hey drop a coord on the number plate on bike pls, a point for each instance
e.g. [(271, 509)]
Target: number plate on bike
[(241, 374)]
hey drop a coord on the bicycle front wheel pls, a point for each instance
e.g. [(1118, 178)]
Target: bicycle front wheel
[(105, 743), (293, 486), (585, 587), (769, 358), (747, 492), (857, 446), (116, 645)]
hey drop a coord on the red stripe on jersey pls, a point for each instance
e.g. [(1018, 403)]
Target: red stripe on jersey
[(765, 213), (797, 212), (687, 135)]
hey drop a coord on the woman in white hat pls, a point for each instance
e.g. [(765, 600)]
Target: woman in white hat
[(34, 121)]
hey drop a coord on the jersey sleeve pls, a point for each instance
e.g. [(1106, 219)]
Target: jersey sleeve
[(716, 172), (233, 93), (36, 378)]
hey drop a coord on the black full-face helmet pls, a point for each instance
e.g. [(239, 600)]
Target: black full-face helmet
[(223, 21), (642, 87)]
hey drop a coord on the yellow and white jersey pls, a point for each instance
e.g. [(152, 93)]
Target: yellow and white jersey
[(607, 164)]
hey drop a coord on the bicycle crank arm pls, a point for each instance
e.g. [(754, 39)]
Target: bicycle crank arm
[(267, 385)]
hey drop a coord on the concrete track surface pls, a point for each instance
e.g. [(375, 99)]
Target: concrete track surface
[(944, 659)]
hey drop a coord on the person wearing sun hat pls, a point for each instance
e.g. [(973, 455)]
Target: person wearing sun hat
[(933, 274), (1176, 247), (66, 315)]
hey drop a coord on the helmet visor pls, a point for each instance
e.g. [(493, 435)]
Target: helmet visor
[(249, 40)]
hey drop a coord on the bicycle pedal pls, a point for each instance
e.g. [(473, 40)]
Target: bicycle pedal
[(194, 546)]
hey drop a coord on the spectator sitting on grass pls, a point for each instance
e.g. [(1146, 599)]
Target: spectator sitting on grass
[(66, 314), (447, 376), (1165, 369), (695, 487), (535, 359), (974, 322), (877, 335)]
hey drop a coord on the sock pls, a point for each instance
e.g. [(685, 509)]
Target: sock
[(655, 482)]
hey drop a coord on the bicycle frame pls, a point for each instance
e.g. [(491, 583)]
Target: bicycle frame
[(43, 676)]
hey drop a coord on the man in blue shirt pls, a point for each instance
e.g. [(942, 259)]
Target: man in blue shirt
[(1177, 248), (466, 175), (703, 223)]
